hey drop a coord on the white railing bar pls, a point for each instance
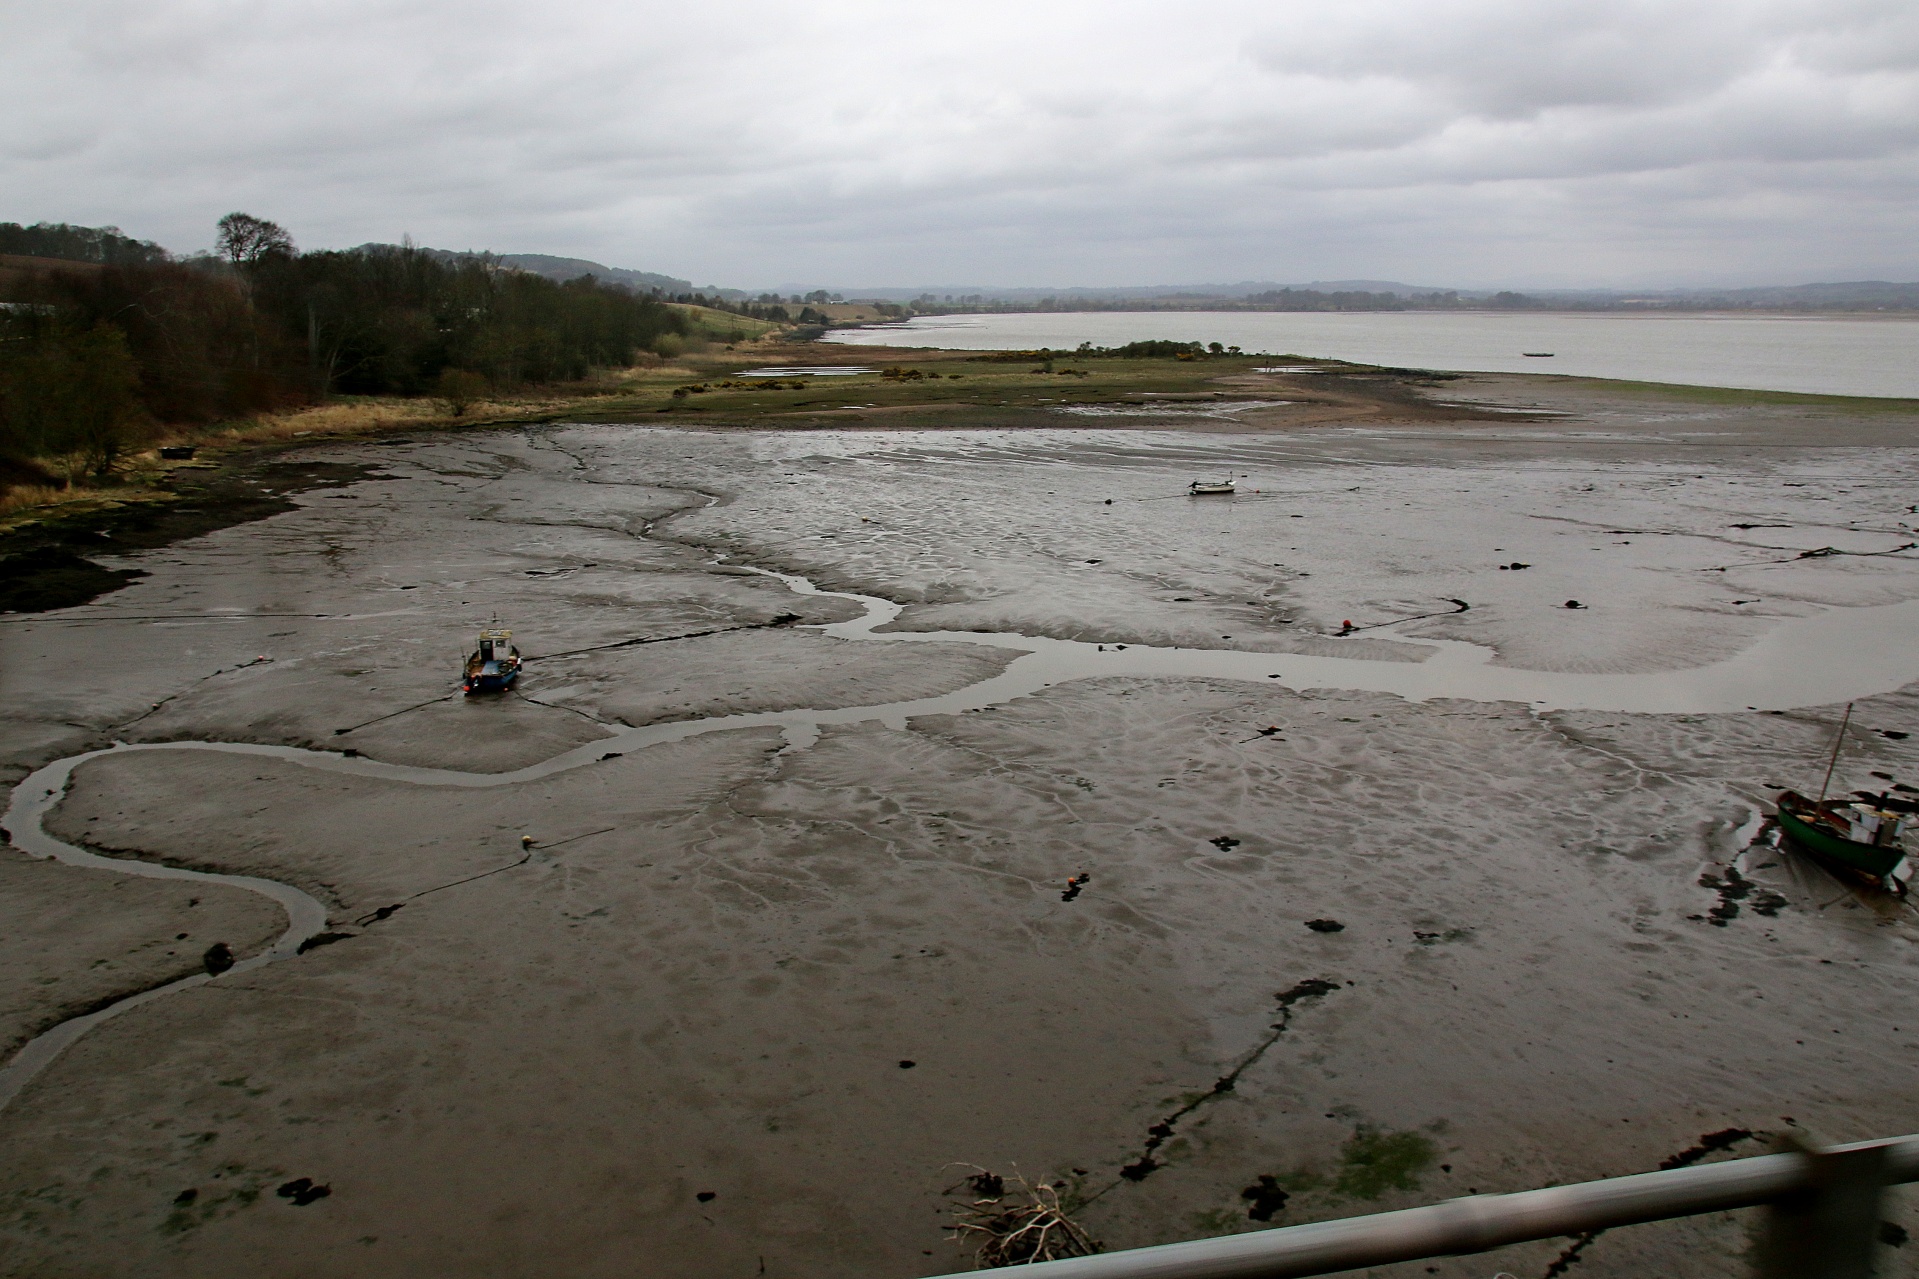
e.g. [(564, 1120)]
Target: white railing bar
[(1473, 1224)]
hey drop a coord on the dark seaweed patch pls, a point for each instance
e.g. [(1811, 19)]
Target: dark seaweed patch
[(1711, 1143), (1266, 1198), (302, 1191), (1734, 888)]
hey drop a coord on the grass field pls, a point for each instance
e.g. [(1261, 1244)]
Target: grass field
[(947, 384), (710, 325)]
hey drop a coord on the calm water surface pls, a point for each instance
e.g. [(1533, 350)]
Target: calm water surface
[(1817, 354)]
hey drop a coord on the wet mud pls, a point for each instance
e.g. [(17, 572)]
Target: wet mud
[(1162, 1130), (822, 959)]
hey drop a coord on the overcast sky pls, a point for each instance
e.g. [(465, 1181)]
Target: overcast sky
[(1475, 143)]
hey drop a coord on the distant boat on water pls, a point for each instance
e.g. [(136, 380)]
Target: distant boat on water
[(1537, 355), (1203, 488)]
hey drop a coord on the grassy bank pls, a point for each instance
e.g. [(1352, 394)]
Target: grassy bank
[(950, 388)]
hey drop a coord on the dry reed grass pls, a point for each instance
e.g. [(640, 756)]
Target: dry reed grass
[(351, 417), (27, 498)]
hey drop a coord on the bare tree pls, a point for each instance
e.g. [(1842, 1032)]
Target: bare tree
[(245, 239)]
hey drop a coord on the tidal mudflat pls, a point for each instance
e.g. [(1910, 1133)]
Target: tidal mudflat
[(794, 937)]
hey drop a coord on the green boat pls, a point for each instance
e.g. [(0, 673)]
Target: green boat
[(1860, 835)]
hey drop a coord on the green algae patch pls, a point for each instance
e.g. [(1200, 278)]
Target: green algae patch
[(1373, 1162)]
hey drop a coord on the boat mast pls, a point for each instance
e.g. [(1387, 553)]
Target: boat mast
[(1837, 742)]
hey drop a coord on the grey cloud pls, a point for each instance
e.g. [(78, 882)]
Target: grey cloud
[(1515, 59), (1063, 142)]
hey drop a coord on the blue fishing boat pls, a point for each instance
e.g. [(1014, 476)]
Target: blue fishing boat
[(493, 666)]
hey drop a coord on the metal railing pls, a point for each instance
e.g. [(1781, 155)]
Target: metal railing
[(1823, 1221)]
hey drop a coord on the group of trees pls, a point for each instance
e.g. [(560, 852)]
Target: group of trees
[(104, 244), (67, 393), (1151, 349), (118, 337)]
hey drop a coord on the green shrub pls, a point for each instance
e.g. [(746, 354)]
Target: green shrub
[(460, 388)]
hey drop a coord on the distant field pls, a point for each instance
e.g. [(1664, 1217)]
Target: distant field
[(724, 326)]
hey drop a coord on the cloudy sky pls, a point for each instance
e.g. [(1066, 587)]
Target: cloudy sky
[(1475, 143)]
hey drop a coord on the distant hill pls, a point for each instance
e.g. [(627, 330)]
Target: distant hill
[(1141, 292), (1372, 286), (560, 270), (1857, 295), (1861, 294), (563, 269)]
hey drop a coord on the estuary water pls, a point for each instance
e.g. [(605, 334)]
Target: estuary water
[(1805, 353)]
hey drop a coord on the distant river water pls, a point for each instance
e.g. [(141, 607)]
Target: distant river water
[(1816, 354)]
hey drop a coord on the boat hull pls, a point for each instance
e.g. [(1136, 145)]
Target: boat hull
[(492, 677), (1866, 859)]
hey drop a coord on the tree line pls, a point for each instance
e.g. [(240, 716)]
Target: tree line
[(1150, 349), (101, 350)]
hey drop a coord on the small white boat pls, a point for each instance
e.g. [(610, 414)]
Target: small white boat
[(1201, 488)]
